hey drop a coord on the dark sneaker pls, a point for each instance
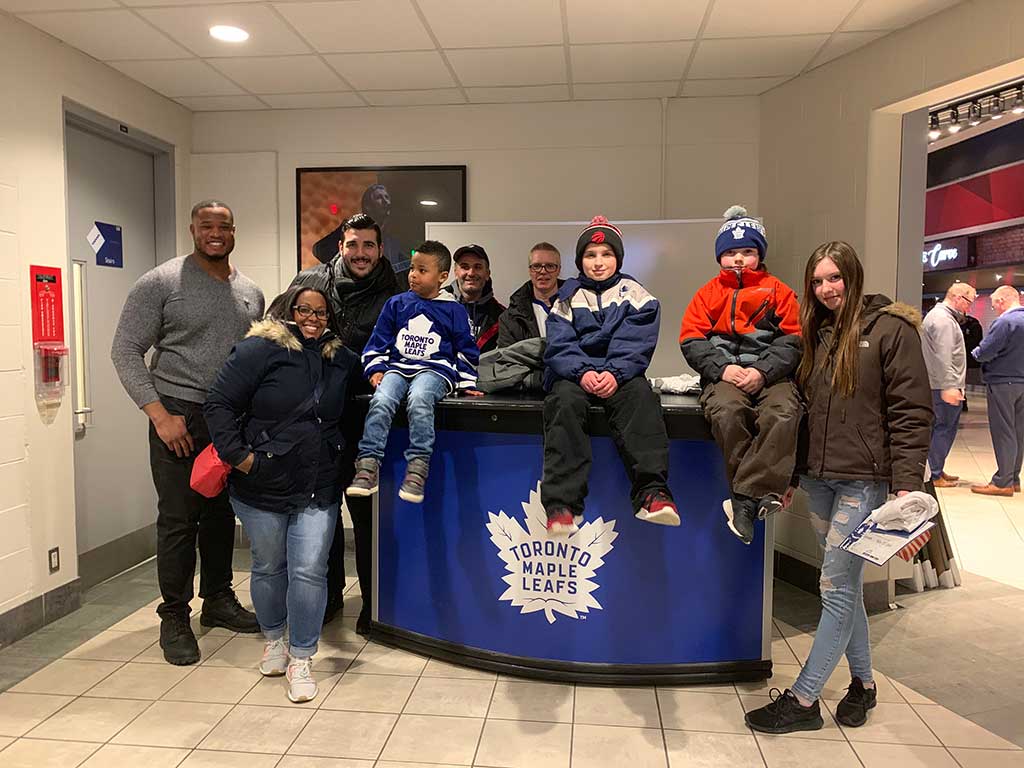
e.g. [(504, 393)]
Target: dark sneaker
[(363, 623), (769, 505), (561, 522), (740, 513), (785, 714), (414, 481), (177, 640), (225, 611), (658, 508), (853, 709), (332, 609), (367, 478)]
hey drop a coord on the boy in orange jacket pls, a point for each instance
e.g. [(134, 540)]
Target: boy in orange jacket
[(741, 333)]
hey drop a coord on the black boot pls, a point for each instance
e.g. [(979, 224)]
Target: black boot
[(224, 610), (363, 622), (177, 640)]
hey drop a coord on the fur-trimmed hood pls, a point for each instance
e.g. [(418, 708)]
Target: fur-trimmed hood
[(288, 337), (879, 304)]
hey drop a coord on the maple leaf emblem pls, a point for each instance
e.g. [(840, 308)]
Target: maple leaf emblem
[(738, 233), (417, 339), (550, 574)]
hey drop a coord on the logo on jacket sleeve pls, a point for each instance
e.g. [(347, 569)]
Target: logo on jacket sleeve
[(545, 574), (417, 339)]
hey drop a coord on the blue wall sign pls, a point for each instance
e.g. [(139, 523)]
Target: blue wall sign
[(105, 241)]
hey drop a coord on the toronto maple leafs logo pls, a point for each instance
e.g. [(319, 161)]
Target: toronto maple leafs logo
[(738, 233), (417, 340), (554, 575)]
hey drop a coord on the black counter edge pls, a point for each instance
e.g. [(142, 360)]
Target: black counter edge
[(574, 672)]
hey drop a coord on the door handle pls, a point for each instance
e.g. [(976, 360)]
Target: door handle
[(81, 413)]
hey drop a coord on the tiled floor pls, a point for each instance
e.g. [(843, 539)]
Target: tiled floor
[(91, 690)]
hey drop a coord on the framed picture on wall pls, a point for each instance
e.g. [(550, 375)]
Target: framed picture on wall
[(399, 198)]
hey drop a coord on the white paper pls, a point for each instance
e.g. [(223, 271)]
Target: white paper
[(877, 545)]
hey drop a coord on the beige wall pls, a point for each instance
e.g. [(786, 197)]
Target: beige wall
[(526, 162), (37, 505), (832, 147)]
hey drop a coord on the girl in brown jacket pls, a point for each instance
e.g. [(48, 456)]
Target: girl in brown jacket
[(868, 429)]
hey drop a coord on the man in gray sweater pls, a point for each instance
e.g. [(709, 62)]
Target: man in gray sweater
[(190, 311), (945, 357)]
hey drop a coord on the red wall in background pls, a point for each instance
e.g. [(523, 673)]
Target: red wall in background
[(986, 199)]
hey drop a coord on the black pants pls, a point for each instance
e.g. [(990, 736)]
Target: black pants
[(1006, 425), (757, 435), (361, 511), (637, 427), (184, 516)]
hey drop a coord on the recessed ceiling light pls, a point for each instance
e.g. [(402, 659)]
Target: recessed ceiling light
[(428, 202), (229, 34)]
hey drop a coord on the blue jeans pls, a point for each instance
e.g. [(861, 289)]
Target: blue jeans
[(289, 571), (424, 390), (837, 507), (947, 417)]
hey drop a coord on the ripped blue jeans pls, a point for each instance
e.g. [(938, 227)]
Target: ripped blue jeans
[(837, 507)]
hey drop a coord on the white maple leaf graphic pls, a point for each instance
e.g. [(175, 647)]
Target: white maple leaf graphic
[(550, 574), (417, 339)]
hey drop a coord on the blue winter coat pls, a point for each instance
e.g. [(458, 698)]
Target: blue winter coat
[(414, 334), (266, 377), (608, 326), (1001, 352)]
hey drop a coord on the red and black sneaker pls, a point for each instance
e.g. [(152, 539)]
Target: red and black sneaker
[(561, 522), (658, 508)]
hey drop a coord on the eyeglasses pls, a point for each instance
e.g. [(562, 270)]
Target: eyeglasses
[(304, 310), (546, 268)]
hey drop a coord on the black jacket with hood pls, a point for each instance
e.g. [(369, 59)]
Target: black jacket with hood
[(483, 315), (519, 322), (883, 431), (266, 377)]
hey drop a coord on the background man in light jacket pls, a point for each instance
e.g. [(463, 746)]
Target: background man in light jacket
[(945, 357), (1001, 355)]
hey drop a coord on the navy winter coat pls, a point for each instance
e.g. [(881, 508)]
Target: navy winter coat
[(266, 377)]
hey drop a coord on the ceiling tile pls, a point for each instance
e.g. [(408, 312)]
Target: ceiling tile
[(392, 71), (754, 57), (16, 6), (492, 23), (107, 35), (625, 90), (220, 103), (358, 25), (509, 66), (747, 18), (179, 78), (312, 100), (749, 86), (150, 3), (629, 62), (607, 21), (269, 35), (518, 94), (414, 98), (893, 14), (280, 74), (843, 43)]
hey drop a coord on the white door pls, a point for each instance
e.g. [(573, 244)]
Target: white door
[(108, 184)]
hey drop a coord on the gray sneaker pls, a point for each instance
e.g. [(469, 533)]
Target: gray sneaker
[(415, 478), (367, 478)]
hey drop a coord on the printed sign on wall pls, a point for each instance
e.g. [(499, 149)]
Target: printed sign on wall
[(950, 253), (105, 241)]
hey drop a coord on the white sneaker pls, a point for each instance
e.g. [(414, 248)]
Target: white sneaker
[(275, 658), (301, 683)]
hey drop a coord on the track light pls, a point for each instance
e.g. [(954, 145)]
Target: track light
[(933, 127), (954, 125), (974, 114), (1018, 103), (995, 111)]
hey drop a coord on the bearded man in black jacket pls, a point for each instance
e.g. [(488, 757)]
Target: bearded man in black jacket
[(358, 282)]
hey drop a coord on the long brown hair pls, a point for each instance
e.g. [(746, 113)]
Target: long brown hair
[(843, 353)]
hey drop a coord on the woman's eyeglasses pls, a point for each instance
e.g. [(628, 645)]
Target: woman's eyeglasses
[(547, 268), (304, 310)]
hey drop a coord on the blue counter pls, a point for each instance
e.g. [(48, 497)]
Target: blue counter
[(471, 575)]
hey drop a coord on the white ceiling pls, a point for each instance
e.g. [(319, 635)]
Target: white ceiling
[(352, 53)]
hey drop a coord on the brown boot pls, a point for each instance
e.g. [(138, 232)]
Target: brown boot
[(944, 482), (992, 490), (951, 478), (1016, 487)]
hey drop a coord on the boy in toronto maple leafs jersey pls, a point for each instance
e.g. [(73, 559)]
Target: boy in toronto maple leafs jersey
[(422, 349), (601, 335), (741, 333)]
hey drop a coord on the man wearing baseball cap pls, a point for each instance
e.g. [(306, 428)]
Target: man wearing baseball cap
[(472, 288)]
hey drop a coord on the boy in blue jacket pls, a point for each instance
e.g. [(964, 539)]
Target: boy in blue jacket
[(601, 335), (421, 347)]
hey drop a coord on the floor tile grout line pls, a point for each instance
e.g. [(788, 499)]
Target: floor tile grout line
[(739, 698), (661, 726), (483, 727), (572, 725)]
